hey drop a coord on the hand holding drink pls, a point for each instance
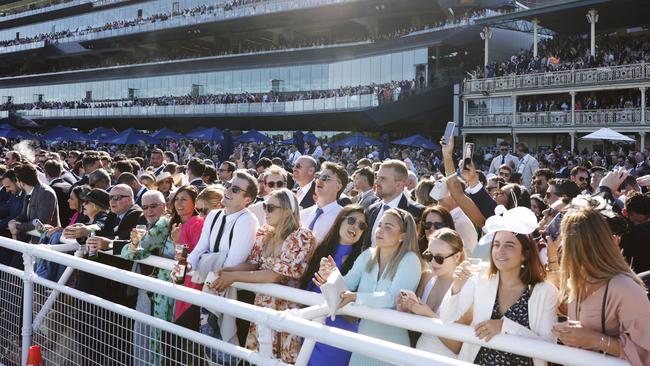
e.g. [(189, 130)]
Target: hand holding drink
[(180, 269), (474, 265)]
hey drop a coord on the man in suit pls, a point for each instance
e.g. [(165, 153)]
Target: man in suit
[(364, 180), (53, 169), (157, 161), (264, 153), (132, 181), (91, 162), (40, 203), (527, 164), (304, 172), (391, 180), (504, 157), (195, 169), (8, 211)]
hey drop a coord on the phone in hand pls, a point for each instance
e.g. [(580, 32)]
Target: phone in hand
[(553, 229), (449, 132), (468, 153)]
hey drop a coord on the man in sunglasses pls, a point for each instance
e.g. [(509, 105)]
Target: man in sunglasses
[(540, 181), (329, 186), (226, 170), (580, 176), (560, 188), (304, 172), (504, 157)]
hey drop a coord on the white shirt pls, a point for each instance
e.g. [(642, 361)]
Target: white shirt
[(242, 241), (302, 191), (293, 157), (465, 229), (318, 152), (324, 222), (392, 204)]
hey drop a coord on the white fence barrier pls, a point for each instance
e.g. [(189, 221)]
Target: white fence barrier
[(63, 329)]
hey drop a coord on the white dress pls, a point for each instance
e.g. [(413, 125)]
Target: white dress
[(428, 342)]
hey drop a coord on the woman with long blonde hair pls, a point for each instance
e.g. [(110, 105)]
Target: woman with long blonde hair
[(378, 275), (606, 303), (280, 254)]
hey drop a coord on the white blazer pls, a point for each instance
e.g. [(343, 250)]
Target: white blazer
[(510, 159), (542, 307)]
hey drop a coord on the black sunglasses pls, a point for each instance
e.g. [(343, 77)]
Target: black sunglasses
[(427, 256), (269, 208), (428, 225), (351, 220), (232, 187), (273, 184)]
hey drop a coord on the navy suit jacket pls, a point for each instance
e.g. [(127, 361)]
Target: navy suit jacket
[(484, 202), (308, 200), (10, 210)]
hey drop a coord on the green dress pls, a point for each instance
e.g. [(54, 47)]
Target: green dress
[(157, 241)]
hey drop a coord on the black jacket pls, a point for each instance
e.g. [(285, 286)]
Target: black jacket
[(308, 199), (62, 189)]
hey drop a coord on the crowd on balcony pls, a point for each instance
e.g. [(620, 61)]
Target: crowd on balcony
[(503, 250), (619, 99), (569, 53), (385, 93)]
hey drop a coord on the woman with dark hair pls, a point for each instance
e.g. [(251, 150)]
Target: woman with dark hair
[(343, 243), (433, 219), (537, 205), (510, 297)]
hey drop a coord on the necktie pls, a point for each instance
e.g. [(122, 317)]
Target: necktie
[(386, 208), (222, 225), (26, 207), (319, 211), (503, 160)]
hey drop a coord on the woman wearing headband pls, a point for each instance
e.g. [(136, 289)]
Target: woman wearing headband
[(344, 243), (280, 255), (379, 274), (510, 297), (444, 253)]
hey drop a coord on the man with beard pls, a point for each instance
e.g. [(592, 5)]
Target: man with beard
[(580, 176)]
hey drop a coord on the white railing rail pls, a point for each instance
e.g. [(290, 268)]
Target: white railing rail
[(299, 323)]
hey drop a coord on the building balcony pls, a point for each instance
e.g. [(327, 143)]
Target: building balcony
[(560, 79), (558, 119)]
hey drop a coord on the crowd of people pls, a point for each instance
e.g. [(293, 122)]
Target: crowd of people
[(507, 244), (385, 93), (569, 53), (620, 99)]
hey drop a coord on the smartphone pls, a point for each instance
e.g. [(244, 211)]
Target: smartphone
[(553, 229), (562, 318), (449, 132), (468, 153)]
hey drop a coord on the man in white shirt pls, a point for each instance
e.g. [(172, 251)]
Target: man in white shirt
[(318, 150), (504, 157), (294, 154), (303, 173), (218, 234), (329, 186), (363, 180), (527, 165)]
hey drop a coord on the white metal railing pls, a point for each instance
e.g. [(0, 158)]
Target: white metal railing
[(621, 73), (595, 117), (316, 310)]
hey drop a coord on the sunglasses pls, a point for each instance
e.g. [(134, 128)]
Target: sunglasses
[(539, 182), (235, 189), (152, 206), (353, 221), (326, 178), (427, 256), (117, 197), (204, 211), (428, 225), (582, 179), (272, 184), (504, 174), (269, 208)]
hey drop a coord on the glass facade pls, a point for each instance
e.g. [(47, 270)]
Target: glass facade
[(489, 106), (361, 71)]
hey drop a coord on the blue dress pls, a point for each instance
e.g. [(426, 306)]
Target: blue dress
[(323, 354)]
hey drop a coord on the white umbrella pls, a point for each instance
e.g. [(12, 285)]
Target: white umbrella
[(607, 134)]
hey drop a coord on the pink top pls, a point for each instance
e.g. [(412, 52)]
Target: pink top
[(190, 234), (627, 317)]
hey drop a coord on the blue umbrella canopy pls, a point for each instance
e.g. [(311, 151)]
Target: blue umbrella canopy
[(310, 137), (253, 136), (287, 142), (14, 133), (299, 141), (62, 133), (417, 140), (131, 137), (166, 133), (210, 134), (101, 133), (357, 140)]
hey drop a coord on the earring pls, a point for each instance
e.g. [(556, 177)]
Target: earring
[(523, 266)]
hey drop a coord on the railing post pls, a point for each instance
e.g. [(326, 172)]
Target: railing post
[(28, 291), (265, 339)]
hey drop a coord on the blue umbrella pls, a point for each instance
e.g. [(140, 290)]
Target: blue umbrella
[(13, 133), (287, 142), (299, 141), (59, 133), (253, 136), (166, 133), (418, 140), (226, 145), (131, 137), (210, 134), (357, 140), (101, 133), (310, 137)]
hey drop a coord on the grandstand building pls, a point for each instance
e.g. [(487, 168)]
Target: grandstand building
[(600, 80), (362, 65)]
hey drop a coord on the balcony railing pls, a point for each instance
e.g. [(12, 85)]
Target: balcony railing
[(598, 117), (342, 104), (622, 73)]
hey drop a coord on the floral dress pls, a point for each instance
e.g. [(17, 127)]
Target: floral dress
[(157, 241), (291, 263)]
